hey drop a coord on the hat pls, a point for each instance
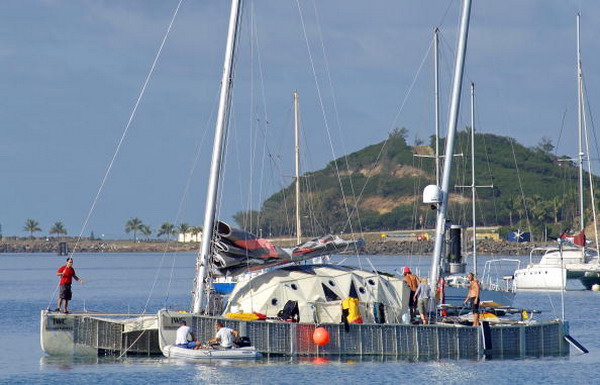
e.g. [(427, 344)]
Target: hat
[(406, 270)]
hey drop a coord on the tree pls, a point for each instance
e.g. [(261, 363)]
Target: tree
[(167, 229), (183, 229), (135, 225), (545, 145), (31, 226), (58, 228), (399, 133), (146, 231)]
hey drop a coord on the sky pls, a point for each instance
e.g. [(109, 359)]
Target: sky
[(71, 72)]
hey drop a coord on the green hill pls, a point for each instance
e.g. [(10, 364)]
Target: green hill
[(382, 185)]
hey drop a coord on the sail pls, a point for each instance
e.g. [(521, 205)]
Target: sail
[(237, 251)]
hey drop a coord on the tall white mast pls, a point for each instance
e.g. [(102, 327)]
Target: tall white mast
[(452, 122), (436, 91), (297, 157), (580, 154), (473, 187), (203, 280)]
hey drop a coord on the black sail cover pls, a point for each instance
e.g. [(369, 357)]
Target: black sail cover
[(236, 251)]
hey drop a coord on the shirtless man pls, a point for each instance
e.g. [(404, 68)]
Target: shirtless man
[(473, 297), (412, 281)]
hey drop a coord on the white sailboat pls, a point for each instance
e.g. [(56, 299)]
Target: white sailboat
[(572, 259)]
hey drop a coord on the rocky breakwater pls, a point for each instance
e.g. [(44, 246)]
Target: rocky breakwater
[(413, 247), (51, 245)]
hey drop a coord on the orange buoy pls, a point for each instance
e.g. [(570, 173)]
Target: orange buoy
[(321, 336)]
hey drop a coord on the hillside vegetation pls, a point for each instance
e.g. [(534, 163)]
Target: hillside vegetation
[(379, 188)]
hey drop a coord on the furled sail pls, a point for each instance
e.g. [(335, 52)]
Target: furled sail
[(236, 251)]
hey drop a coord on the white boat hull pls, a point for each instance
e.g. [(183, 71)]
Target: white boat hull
[(539, 277), (247, 352)]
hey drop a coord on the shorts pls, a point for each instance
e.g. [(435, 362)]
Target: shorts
[(422, 305), (65, 292), (411, 300), (189, 345), (474, 305)]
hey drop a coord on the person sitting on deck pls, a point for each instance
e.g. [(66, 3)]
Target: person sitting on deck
[(224, 337), (185, 337)]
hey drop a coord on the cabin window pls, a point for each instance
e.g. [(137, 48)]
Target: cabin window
[(371, 282), (294, 286), (362, 290), (331, 283), (274, 301)]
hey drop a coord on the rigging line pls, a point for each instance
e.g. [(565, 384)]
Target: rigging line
[(325, 121), (591, 180), (253, 138), (523, 200), (187, 187), (264, 103), (587, 102), (562, 126), (445, 14), (401, 109), (124, 134), (337, 118)]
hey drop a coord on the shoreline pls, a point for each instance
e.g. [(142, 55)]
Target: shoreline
[(372, 247)]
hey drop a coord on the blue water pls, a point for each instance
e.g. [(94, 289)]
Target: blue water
[(123, 282)]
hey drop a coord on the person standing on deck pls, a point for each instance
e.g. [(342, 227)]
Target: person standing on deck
[(412, 281), (473, 297), (66, 274), (422, 296)]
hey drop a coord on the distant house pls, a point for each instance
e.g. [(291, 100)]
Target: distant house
[(189, 237)]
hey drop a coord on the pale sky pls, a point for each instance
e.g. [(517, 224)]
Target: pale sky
[(71, 71)]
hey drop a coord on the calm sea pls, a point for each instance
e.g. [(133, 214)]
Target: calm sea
[(134, 283)]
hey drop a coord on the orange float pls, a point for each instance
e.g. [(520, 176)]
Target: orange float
[(321, 336)]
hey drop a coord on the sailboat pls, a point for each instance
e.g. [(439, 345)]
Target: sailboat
[(572, 258), (301, 299)]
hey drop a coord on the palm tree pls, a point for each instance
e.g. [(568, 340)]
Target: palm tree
[(135, 225), (31, 226), (183, 229), (146, 231), (167, 229), (195, 230), (58, 228)]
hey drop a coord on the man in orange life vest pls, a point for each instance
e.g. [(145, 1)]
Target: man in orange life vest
[(66, 274)]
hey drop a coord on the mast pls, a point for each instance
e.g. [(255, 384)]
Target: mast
[(473, 187), (203, 280), (297, 157), (452, 122), (580, 154), (436, 92)]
